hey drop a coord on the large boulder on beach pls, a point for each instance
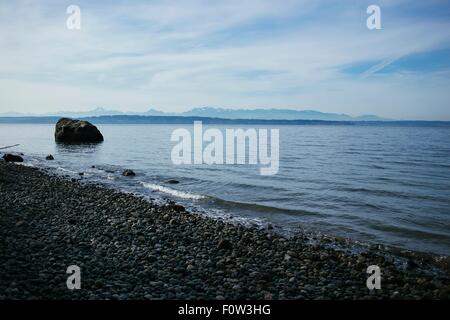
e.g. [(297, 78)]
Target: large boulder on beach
[(77, 131), (12, 158)]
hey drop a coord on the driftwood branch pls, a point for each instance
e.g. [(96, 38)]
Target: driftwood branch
[(15, 145)]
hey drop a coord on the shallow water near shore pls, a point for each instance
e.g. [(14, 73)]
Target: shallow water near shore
[(388, 185)]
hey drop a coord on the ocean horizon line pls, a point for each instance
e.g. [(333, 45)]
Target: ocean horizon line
[(143, 119)]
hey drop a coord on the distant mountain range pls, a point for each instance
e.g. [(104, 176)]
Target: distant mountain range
[(212, 112)]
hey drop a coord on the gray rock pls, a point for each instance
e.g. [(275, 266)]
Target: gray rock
[(76, 131), (128, 173), (225, 244), (176, 207), (12, 158)]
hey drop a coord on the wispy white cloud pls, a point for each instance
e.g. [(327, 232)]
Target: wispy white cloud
[(176, 55), (380, 66)]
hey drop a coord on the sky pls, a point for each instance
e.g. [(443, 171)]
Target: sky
[(176, 55)]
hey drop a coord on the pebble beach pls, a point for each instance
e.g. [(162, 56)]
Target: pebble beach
[(128, 247)]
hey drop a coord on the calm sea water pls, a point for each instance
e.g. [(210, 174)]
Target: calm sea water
[(378, 184)]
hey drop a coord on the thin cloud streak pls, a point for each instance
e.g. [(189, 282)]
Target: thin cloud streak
[(177, 55), (380, 66)]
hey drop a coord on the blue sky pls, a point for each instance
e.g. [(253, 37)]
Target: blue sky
[(175, 55)]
